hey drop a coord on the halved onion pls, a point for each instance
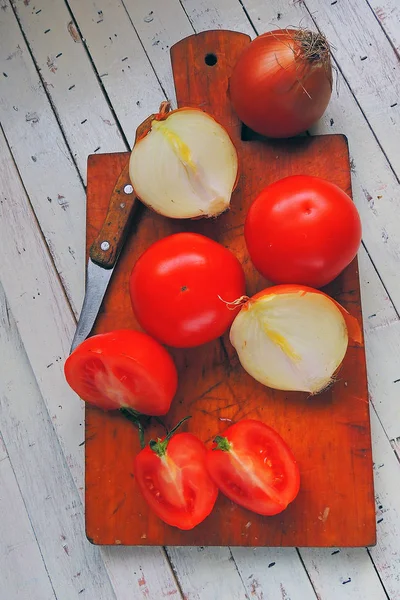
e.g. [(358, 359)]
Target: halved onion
[(185, 165), (291, 337)]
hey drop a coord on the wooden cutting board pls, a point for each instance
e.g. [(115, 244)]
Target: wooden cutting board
[(329, 434)]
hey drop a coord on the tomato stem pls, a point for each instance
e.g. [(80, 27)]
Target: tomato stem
[(159, 446), (174, 429), (135, 417), (222, 443)]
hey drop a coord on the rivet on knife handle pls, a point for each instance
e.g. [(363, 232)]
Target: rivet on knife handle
[(107, 246)]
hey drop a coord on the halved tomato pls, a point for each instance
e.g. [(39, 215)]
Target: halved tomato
[(123, 369), (252, 465), (171, 474)]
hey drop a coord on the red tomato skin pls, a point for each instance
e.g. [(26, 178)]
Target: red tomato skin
[(188, 453), (134, 360), (178, 287), (255, 443), (303, 230)]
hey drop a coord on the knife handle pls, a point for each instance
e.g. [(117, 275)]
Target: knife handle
[(108, 244)]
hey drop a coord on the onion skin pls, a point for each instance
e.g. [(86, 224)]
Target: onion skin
[(282, 82), (163, 113)]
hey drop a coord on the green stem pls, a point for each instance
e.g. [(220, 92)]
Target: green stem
[(171, 433), (159, 446), (222, 443), (135, 417)]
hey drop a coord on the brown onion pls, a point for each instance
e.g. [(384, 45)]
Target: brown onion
[(282, 82)]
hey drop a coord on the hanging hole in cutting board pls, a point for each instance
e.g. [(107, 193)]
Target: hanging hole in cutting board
[(210, 59)]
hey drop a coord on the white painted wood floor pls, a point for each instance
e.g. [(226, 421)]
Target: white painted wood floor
[(77, 77)]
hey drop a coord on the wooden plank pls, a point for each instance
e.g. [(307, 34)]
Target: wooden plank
[(388, 14), (71, 83), (386, 553), (346, 574), (158, 30), (33, 288), (223, 14), (112, 444), (42, 156), (385, 387), (374, 77), (207, 573), (270, 573), (23, 572), (50, 496), (141, 573), (118, 55)]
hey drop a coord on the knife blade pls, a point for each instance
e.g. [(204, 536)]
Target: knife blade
[(104, 253), (97, 279)]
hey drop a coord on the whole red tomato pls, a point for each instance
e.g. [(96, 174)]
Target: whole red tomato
[(252, 465), (179, 289), (302, 229), (171, 474), (123, 369)]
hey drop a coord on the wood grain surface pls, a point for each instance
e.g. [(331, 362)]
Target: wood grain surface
[(329, 434)]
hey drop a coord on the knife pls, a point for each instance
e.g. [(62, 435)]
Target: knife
[(106, 248), (104, 253)]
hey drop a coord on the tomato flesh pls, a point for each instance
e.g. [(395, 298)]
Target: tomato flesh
[(123, 368), (176, 485), (302, 230), (178, 288), (258, 471)]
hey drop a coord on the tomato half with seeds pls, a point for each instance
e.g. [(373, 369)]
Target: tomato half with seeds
[(252, 465), (123, 369), (172, 476)]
